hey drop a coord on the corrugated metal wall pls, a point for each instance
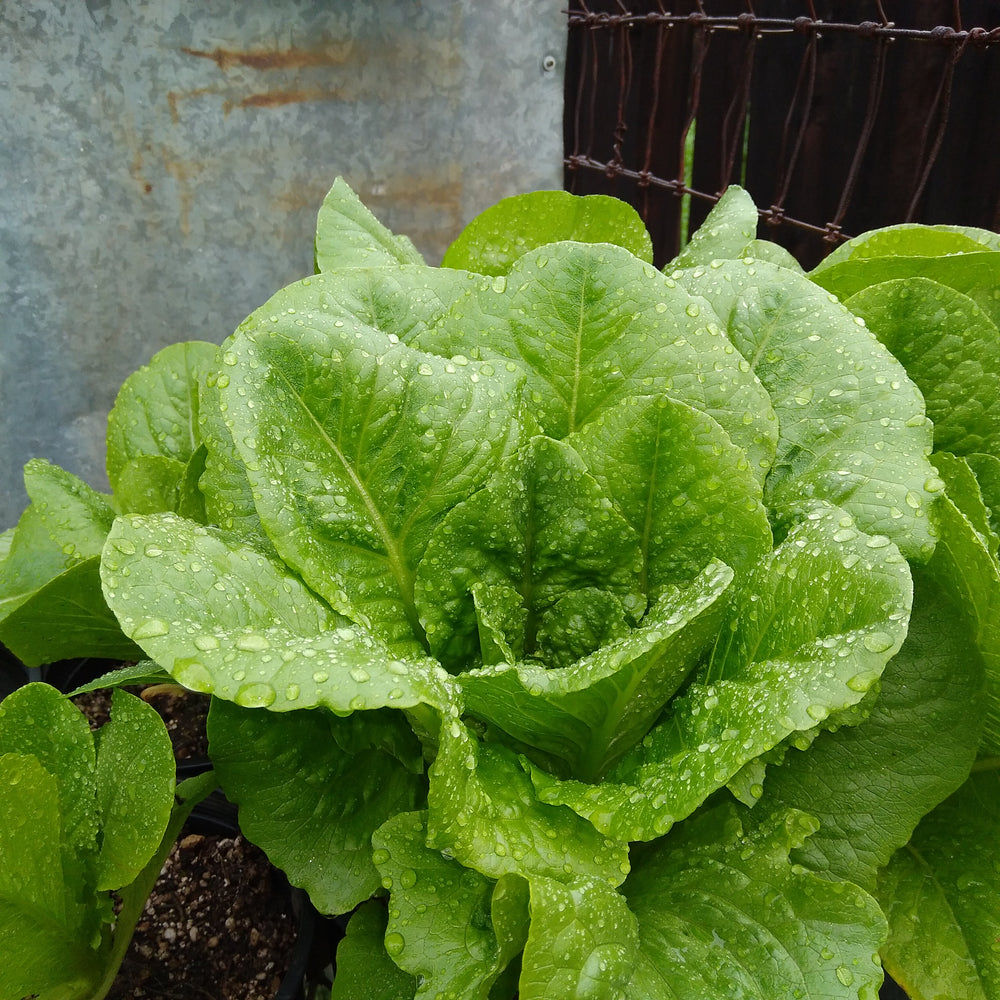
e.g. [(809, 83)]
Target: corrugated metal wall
[(161, 165)]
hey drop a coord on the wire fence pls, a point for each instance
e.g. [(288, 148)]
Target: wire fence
[(837, 116)]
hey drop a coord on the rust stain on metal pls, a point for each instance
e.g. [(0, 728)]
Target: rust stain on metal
[(174, 97), (183, 172), (277, 98), (266, 59)]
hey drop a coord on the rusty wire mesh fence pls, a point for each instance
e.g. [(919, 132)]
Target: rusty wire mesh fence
[(838, 116)]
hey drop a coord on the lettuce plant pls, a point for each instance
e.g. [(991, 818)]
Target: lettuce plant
[(82, 821), (585, 630)]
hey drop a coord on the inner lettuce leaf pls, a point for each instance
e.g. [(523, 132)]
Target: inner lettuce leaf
[(591, 325), (804, 640), (496, 238), (540, 529), (579, 719)]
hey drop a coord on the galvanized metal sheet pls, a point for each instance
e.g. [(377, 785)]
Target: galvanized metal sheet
[(161, 165)]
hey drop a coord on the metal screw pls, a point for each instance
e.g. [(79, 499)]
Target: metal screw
[(549, 63)]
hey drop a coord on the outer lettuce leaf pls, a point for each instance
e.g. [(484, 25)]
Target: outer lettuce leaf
[(308, 802), (593, 325), (951, 350), (135, 789), (726, 233), (676, 477), (43, 932), (975, 273), (451, 928), (725, 913), (364, 969), (66, 618), (484, 812), (910, 239), (583, 717), (355, 448), (156, 417), (37, 721), (853, 428), (348, 235), (870, 785), (227, 620), (986, 469), (970, 572), (940, 894), (496, 238), (540, 530), (65, 524), (788, 658), (583, 942)]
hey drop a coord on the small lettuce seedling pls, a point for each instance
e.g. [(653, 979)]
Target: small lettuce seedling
[(83, 819), (590, 630)]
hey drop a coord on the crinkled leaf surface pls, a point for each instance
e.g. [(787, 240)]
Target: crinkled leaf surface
[(723, 913), (355, 447), (45, 936), (540, 529), (308, 802), (676, 477), (156, 413), (227, 620), (583, 941), (807, 635), (135, 788), (853, 427), (940, 894), (441, 928), (592, 325), (986, 469), (951, 350), (869, 785), (484, 811), (348, 235), (509, 229), (726, 233), (584, 716)]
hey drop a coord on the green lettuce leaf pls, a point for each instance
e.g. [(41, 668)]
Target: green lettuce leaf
[(940, 894), (788, 659), (583, 717), (155, 416), (727, 232), (484, 811), (308, 802), (451, 928), (364, 969), (676, 477), (355, 447), (722, 911), (869, 785), (496, 238), (538, 531), (225, 619), (853, 427), (348, 235), (951, 350), (583, 941)]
